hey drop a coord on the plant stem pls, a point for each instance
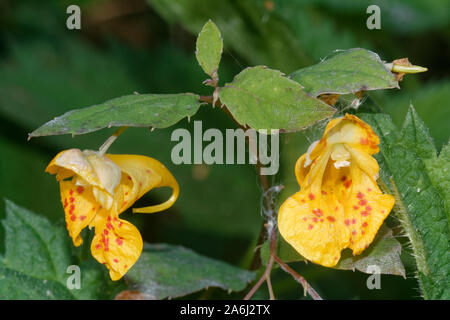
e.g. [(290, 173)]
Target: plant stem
[(269, 287), (208, 99), (306, 287), (264, 277), (105, 146), (265, 186)]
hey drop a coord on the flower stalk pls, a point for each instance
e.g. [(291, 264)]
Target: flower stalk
[(105, 146)]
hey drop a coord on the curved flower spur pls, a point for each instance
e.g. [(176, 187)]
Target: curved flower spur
[(97, 188), (339, 204)]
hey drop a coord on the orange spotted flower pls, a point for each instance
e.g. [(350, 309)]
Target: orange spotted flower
[(96, 189), (339, 204)]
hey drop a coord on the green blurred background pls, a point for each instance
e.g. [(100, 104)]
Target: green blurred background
[(148, 47)]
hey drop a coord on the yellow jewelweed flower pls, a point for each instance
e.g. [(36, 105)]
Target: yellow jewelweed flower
[(96, 189), (339, 204)]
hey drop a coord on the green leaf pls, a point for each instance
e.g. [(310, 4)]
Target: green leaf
[(167, 271), (33, 246), (346, 72), (384, 254), (439, 172), (137, 110), (209, 48), (15, 285), (420, 207), (264, 99), (415, 134), (36, 258)]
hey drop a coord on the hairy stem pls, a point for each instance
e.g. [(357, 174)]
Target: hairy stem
[(306, 287), (269, 230)]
